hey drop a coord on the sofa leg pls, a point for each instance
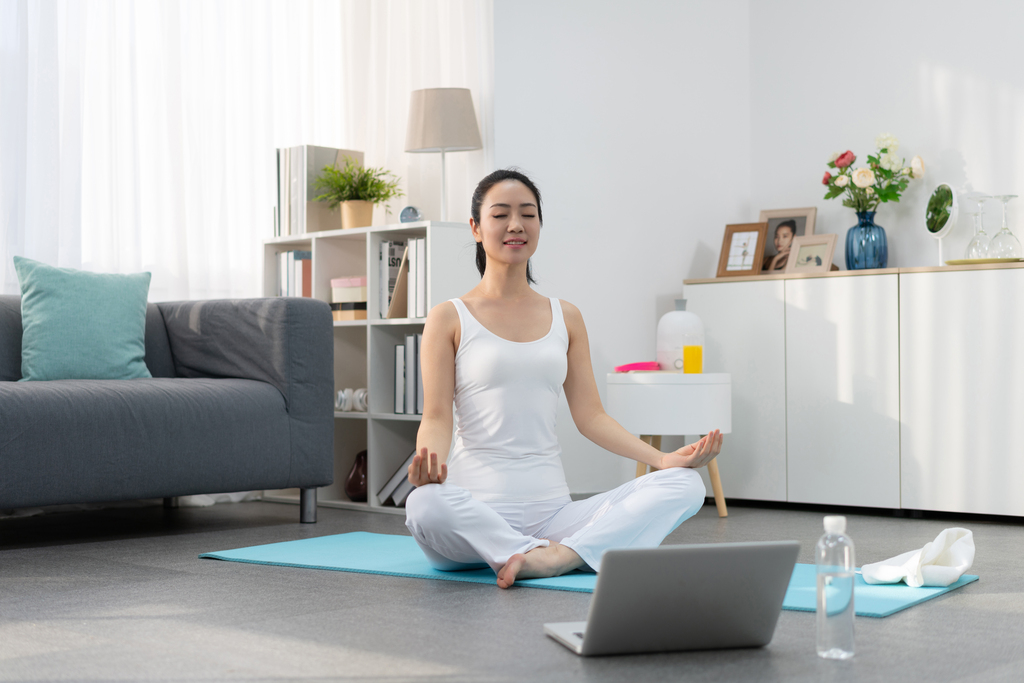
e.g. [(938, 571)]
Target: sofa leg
[(170, 503), (307, 506)]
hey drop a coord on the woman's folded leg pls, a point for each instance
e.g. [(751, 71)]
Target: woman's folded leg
[(638, 514), (456, 531)]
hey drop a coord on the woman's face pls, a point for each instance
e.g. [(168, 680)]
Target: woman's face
[(509, 226), (783, 239)]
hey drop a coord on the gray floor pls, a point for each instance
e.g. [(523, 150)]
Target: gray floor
[(119, 594)]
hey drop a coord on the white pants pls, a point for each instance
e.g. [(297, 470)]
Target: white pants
[(457, 532)]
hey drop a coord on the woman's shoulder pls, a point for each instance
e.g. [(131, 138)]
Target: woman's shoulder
[(443, 312)]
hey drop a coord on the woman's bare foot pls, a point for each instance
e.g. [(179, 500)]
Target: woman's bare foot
[(554, 560)]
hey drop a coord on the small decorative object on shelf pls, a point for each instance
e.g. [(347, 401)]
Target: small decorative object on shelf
[(941, 214), (355, 484), (863, 189), (410, 214), (356, 188)]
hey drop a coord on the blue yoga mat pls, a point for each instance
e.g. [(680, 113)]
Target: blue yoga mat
[(400, 556)]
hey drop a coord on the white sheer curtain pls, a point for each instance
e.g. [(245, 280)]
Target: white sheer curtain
[(139, 135)]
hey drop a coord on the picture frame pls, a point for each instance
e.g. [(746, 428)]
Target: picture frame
[(811, 254), (800, 223), (742, 249)]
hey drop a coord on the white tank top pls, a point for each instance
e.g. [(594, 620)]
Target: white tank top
[(506, 399)]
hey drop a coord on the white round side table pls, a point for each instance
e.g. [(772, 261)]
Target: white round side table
[(653, 404)]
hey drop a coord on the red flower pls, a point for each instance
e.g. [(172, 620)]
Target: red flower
[(845, 159), (828, 177)]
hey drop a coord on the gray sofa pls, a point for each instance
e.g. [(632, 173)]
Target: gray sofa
[(241, 399)]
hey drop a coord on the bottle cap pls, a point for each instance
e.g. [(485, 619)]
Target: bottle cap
[(835, 524)]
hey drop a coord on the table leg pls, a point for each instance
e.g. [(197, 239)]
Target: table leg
[(652, 440), (716, 487)]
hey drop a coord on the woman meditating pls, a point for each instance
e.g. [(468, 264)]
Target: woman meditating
[(503, 353)]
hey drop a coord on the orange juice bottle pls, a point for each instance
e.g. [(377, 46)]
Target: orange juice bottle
[(693, 358)]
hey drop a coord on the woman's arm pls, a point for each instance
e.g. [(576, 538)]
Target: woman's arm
[(595, 424), (437, 365)]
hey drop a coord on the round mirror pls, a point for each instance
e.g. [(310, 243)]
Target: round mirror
[(942, 209)]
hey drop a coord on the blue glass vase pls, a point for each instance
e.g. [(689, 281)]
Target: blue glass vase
[(865, 244)]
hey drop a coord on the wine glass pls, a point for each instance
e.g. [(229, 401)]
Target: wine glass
[(1004, 244), (978, 246)]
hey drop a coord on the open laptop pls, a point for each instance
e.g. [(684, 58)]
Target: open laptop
[(686, 597)]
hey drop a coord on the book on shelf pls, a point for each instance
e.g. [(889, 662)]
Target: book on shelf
[(421, 277), (416, 305), (400, 475), (391, 255), (400, 292), (295, 273), (419, 375), (410, 304), (402, 492), (297, 168), (411, 358), (399, 379)]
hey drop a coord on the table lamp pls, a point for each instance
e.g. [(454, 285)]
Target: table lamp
[(442, 120)]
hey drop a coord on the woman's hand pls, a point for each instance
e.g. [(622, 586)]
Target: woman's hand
[(696, 454), (424, 469)]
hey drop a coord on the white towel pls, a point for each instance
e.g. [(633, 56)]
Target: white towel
[(938, 563)]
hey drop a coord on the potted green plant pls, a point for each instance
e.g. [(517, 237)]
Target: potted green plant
[(356, 189)]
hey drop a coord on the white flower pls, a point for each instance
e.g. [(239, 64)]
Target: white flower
[(906, 171), (890, 162), (842, 181), (832, 159), (863, 177), (870, 191), (887, 142), (917, 167)]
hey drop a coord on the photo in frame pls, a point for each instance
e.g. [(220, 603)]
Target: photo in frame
[(742, 249), (783, 226), (811, 254)]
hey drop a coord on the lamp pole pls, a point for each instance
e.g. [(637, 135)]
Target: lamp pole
[(444, 190)]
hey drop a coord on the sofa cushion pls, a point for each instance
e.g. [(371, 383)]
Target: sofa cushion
[(158, 348), (81, 325), (104, 440)]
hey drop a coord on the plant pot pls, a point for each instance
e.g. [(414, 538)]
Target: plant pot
[(355, 483), (356, 213), (866, 246)]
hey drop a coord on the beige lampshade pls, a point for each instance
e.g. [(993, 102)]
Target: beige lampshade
[(442, 120)]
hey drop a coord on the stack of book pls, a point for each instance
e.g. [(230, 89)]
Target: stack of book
[(403, 278), (296, 211), (408, 377), (398, 487), (295, 273), (348, 298)]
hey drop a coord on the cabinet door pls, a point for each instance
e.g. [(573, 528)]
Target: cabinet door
[(744, 335), (842, 390), (962, 340)]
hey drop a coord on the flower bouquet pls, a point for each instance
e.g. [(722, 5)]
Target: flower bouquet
[(883, 180)]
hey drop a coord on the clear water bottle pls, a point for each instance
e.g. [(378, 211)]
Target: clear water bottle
[(834, 556)]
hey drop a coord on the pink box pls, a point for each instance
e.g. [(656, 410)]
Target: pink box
[(349, 281)]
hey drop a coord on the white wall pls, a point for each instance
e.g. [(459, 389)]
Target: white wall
[(943, 77), (634, 120)]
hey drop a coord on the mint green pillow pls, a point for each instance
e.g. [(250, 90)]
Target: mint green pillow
[(81, 325)]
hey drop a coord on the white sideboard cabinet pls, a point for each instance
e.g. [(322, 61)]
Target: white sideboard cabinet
[(745, 335), (962, 398), (897, 388), (842, 390)]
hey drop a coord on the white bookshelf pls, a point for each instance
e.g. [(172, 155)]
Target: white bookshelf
[(364, 349)]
